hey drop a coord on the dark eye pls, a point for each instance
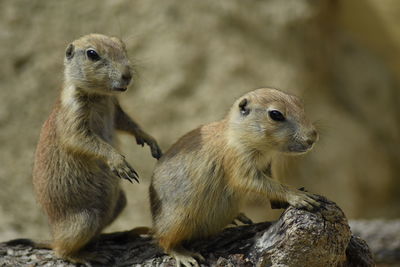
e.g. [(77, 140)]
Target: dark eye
[(92, 55), (276, 115)]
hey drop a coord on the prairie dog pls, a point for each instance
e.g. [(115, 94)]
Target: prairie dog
[(198, 185), (77, 169)]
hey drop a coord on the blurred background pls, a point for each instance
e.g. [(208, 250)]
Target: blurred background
[(193, 59)]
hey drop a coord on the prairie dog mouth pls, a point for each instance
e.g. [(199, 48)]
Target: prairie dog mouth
[(120, 89), (298, 149)]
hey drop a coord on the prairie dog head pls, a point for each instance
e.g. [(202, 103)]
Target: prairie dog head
[(268, 119), (98, 64)]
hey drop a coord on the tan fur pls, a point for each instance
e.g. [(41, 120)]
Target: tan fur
[(199, 184), (77, 169)]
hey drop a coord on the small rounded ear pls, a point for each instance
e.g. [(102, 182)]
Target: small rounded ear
[(116, 39), (244, 109), (69, 53)]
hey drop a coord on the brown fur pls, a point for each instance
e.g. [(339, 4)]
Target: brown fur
[(77, 169), (199, 184)]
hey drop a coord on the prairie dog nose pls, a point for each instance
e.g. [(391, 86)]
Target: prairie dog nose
[(312, 137), (126, 75)]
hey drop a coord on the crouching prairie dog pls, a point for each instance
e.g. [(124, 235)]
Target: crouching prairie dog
[(77, 168), (199, 184)]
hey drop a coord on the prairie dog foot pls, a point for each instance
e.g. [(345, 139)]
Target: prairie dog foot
[(242, 218), (131, 234), (89, 258), (185, 258), (301, 199)]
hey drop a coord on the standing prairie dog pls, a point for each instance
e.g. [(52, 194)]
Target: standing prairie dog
[(77, 169), (199, 184)]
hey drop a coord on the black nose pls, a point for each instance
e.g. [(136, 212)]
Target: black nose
[(312, 137), (310, 142), (126, 76)]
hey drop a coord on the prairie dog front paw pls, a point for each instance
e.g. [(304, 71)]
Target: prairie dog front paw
[(121, 168), (301, 199)]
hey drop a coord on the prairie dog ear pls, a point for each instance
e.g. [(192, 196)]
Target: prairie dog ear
[(119, 41), (70, 51), (244, 109)]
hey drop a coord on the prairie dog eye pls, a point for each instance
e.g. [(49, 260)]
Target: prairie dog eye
[(276, 115), (92, 55)]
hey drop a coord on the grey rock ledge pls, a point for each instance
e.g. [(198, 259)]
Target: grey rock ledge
[(297, 238)]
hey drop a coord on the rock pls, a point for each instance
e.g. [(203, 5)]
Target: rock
[(358, 253), (192, 59), (298, 238), (383, 237)]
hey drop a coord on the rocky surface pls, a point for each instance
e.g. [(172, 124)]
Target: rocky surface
[(382, 236), (192, 59), (298, 238)]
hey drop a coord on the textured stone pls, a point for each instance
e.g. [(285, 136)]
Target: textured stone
[(192, 59), (383, 238), (298, 238)]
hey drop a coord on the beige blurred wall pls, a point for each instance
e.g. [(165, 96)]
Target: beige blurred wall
[(193, 58), (376, 25)]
